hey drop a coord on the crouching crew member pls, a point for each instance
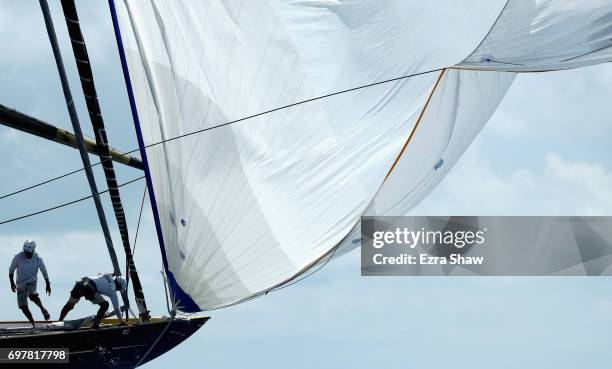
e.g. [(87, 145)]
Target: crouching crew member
[(93, 288)]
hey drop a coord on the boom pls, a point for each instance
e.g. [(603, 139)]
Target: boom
[(25, 123)]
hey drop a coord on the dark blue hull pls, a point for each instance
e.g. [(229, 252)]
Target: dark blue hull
[(108, 347)]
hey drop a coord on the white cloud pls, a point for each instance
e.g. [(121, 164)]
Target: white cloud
[(569, 106), (561, 187), (28, 42), (602, 310)]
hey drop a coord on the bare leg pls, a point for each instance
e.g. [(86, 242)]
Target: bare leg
[(28, 315), (35, 299), (69, 306), (100, 315)]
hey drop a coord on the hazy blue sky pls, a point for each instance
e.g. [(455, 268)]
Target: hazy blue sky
[(547, 150)]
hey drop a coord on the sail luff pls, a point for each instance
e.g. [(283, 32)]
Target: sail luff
[(184, 301), (79, 49), (79, 134)]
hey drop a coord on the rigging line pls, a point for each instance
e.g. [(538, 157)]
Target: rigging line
[(291, 281), (88, 88), (74, 120), (166, 290), (504, 62), (144, 194), (587, 53), (233, 122), (416, 125), (142, 202), (291, 105), (331, 254), (297, 275), (67, 203), (279, 287), (44, 182), (306, 275), (170, 320)]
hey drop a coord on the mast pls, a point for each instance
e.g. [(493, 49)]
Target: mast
[(89, 90), (22, 122), (74, 119)]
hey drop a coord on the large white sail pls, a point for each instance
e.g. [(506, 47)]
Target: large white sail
[(249, 206), (460, 105), (542, 35)]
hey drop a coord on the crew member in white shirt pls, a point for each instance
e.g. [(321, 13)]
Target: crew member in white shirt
[(27, 264), (93, 288)]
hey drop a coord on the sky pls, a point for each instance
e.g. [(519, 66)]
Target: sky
[(546, 151)]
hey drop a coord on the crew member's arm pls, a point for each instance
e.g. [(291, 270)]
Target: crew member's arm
[(115, 301), (43, 270), (12, 272)]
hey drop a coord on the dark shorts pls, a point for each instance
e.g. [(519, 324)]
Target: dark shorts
[(84, 288)]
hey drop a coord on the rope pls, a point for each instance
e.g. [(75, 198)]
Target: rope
[(290, 282), (88, 88), (142, 202), (331, 256), (65, 204), (44, 182), (154, 343), (202, 131), (127, 264), (227, 124), (127, 279)]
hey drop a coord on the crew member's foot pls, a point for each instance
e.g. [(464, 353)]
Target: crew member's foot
[(46, 314)]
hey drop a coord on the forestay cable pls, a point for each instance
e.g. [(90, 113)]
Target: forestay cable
[(66, 203), (226, 124)]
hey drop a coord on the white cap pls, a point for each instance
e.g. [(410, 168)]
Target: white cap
[(29, 246)]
